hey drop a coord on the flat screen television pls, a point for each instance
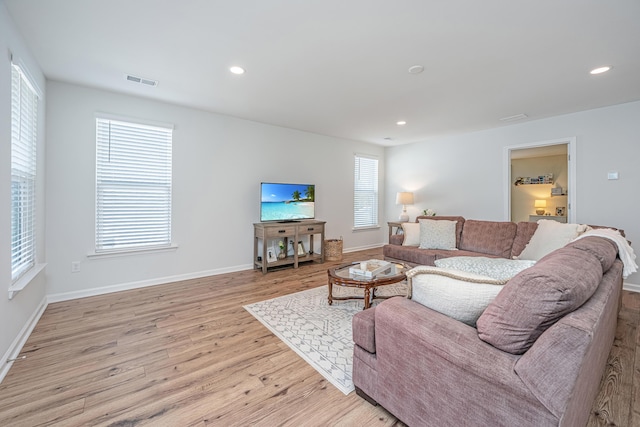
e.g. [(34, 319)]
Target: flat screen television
[(286, 202)]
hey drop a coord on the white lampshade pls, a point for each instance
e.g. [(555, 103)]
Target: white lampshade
[(540, 205), (404, 198)]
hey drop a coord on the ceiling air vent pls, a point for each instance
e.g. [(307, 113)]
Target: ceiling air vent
[(142, 80), (513, 118)]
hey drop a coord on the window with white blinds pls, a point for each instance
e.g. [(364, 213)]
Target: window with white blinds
[(133, 186), (365, 192), (24, 126)]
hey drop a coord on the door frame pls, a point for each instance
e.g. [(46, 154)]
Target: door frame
[(571, 166)]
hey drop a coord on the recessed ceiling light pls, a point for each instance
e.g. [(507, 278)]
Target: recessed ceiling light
[(236, 70), (401, 123), (416, 69), (388, 138), (599, 70)]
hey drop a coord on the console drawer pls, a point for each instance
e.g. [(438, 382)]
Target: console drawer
[(281, 231), (310, 229)]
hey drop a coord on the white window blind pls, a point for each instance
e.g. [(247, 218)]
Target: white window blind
[(24, 125), (365, 193), (133, 186)]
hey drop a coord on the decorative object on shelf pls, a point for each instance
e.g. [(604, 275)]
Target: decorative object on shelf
[(429, 212), (271, 255), (404, 198), (540, 205), (540, 179), (283, 252), (557, 191), (301, 250), (560, 211), (333, 249)]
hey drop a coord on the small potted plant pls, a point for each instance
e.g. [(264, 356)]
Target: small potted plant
[(282, 254), (429, 212)]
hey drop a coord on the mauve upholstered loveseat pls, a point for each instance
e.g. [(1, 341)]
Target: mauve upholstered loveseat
[(535, 359), (493, 239)]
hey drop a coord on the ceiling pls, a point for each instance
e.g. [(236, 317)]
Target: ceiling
[(340, 68)]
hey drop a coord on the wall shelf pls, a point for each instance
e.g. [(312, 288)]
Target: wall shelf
[(532, 180)]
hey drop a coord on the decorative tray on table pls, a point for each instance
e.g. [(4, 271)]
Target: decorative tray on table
[(371, 268)]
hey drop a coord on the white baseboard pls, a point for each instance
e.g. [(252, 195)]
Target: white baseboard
[(630, 287), (362, 248), (66, 296), (16, 346)]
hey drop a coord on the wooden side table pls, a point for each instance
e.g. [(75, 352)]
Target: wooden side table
[(394, 224)]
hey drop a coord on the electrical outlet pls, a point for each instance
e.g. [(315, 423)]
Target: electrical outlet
[(75, 266)]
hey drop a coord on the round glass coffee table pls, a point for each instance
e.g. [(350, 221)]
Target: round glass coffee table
[(343, 277)]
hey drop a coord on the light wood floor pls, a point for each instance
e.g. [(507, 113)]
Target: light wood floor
[(188, 354)]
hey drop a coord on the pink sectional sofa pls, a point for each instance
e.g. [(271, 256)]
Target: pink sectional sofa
[(535, 359)]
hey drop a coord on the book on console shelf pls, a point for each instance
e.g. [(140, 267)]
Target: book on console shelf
[(371, 268)]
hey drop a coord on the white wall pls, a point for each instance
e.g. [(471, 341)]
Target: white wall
[(17, 314), (218, 164), (464, 174)]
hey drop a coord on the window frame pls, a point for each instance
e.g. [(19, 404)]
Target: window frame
[(368, 189), (119, 185), (25, 99)]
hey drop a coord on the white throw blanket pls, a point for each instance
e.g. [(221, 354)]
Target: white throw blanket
[(625, 251)]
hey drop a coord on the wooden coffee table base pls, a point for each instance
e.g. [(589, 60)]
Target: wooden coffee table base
[(336, 278)]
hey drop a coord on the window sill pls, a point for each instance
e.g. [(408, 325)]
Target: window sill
[(27, 278), (365, 228), (128, 252)]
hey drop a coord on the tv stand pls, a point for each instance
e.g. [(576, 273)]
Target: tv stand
[(266, 233)]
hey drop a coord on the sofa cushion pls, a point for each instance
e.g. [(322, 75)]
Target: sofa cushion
[(549, 236), (437, 234), (411, 231), (603, 249), (458, 219), (524, 232), (489, 237), (457, 294), (496, 268), (409, 254), (537, 297)]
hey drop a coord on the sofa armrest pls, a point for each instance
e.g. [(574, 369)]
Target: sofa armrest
[(426, 359), (400, 320)]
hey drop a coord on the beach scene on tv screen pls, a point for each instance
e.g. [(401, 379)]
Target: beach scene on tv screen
[(287, 201)]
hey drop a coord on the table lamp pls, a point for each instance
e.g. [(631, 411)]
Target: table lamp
[(404, 198), (540, 205)]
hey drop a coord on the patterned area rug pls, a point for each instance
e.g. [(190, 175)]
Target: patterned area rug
[(320, 333)]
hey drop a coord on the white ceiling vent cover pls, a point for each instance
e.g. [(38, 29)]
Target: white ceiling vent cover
[(142, 80)]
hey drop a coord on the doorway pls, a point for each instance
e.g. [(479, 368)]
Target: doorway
[(540, 181)]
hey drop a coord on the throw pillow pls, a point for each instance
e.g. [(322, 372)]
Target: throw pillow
[(438, 234), (496, 268), (411, 232), (457, 294), (549, 236), (538, 297)]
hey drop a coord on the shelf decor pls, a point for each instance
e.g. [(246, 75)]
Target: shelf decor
[(540, 179)]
